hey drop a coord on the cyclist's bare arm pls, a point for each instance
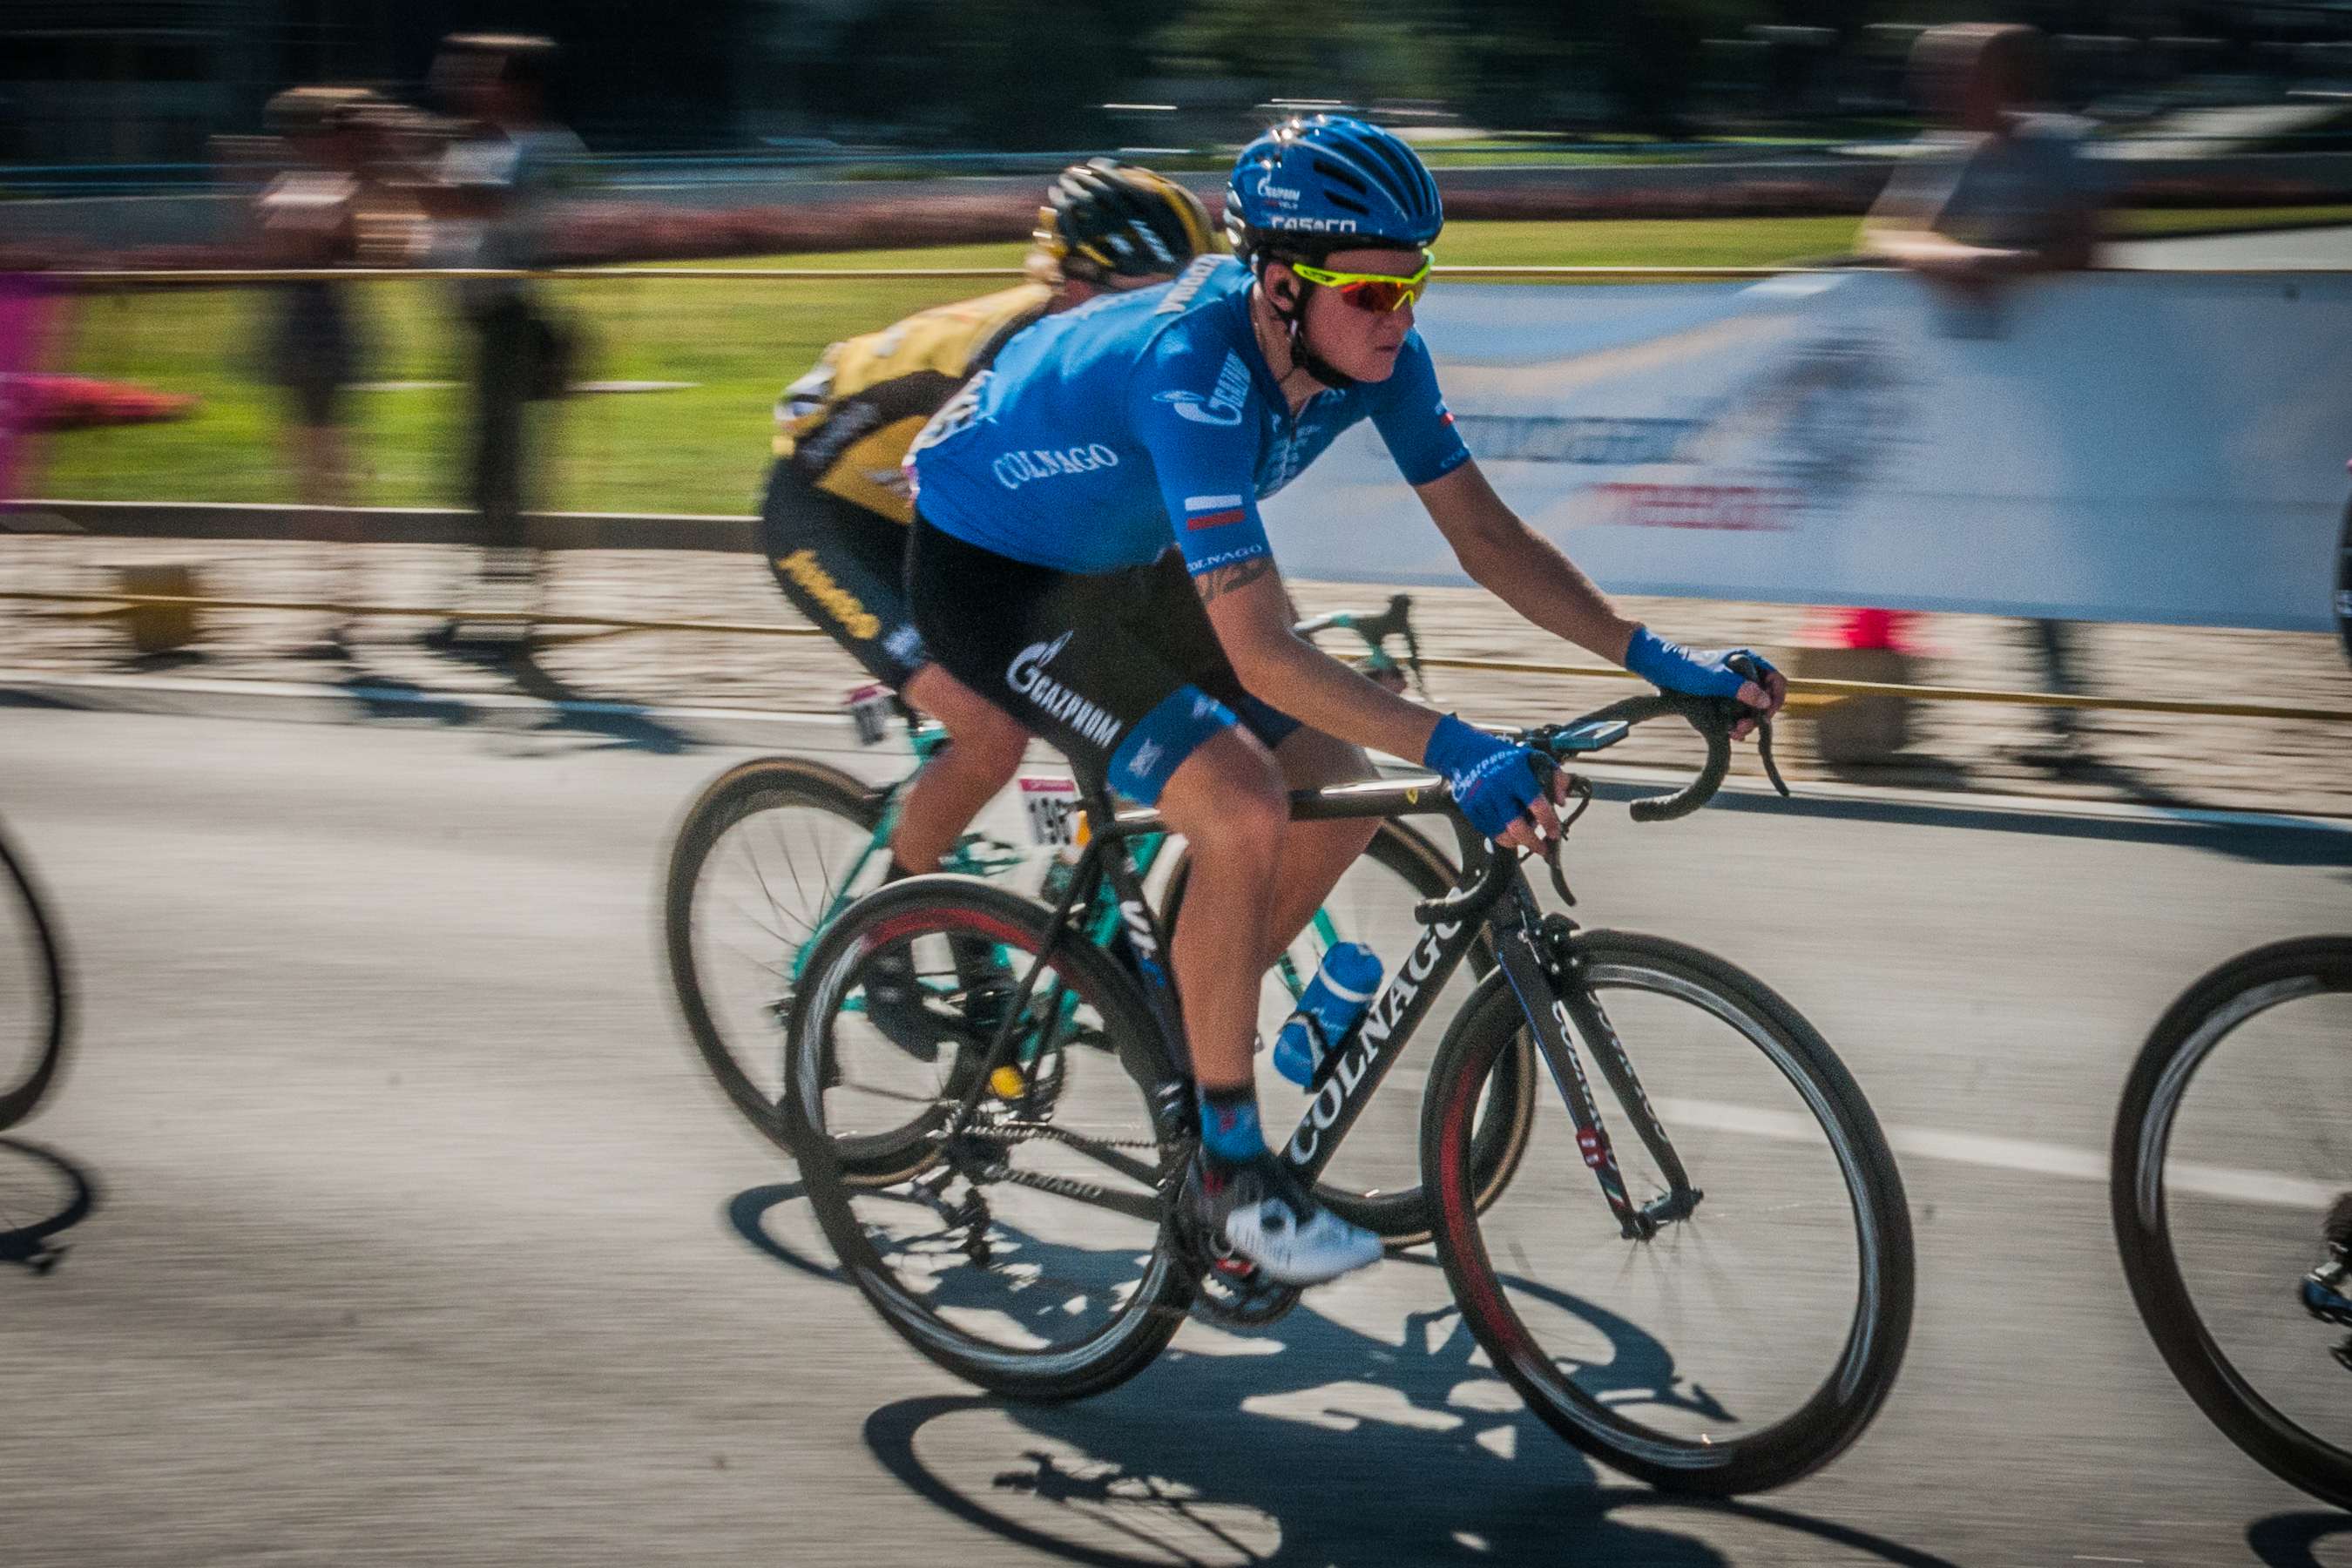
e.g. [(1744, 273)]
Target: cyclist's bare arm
[(1520, 566), (1252, 615)]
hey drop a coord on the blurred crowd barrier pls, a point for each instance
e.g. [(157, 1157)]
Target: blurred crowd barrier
[(2157, 447), (1733, 435)]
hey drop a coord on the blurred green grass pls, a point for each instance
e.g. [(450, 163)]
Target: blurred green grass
[(700, 448)]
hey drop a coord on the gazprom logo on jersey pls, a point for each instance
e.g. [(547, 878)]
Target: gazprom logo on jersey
[(1017, 469), (1223, 405), (1026, 675)]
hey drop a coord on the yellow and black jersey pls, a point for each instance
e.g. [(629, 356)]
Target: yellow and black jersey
[(845, 426)]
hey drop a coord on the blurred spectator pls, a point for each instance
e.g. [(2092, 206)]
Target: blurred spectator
[(2010, 195), (308, 216), (496, 197)]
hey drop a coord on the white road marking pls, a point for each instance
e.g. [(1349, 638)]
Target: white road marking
[(2267, 1189)]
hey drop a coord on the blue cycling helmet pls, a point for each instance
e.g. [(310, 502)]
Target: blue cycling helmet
[(1326, 183)]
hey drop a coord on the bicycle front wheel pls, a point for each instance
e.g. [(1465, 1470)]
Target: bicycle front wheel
[(33, 1007), (2230, 1148), (1744, 1344), (771, 850), (1026, 1249)]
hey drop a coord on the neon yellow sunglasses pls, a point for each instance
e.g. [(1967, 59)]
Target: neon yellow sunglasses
[(1374, 291)]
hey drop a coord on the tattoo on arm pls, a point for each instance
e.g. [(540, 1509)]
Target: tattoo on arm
[(1225, 580)]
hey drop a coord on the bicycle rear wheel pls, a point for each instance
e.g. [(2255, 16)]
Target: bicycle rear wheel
[(34, 1009), (2229, 1150), (1374, 1179), (1740, 1347), (1026, 1250), (772, 849)]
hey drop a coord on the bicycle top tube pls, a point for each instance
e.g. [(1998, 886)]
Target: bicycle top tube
[(1415, 794)]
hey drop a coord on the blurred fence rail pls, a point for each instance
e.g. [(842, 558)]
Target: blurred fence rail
[(1799, 686)]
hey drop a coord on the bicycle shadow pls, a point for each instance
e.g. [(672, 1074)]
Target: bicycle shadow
[(42, 1195), (1308, 1440), (2288, 1539)]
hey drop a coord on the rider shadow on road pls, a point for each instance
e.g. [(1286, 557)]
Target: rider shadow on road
[(1306, 1440), (623, 723)]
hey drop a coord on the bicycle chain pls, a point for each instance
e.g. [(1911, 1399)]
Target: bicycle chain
[(1035, 1132)]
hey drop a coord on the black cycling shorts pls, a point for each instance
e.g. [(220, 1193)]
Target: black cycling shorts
[(845, 569), (1121, 671)]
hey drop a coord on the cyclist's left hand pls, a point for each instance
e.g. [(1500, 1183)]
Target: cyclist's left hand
[(1671, 667)]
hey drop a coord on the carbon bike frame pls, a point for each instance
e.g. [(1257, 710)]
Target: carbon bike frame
[(1536, 953)]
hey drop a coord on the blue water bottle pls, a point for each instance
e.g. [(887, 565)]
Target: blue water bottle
[(1342, 988)]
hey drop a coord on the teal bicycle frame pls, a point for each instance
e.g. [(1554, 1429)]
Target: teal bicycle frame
[(977, 854)]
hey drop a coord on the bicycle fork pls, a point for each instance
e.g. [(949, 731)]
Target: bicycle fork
[(1537, 957)]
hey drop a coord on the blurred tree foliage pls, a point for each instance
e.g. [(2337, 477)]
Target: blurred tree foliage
[(1033, 73)]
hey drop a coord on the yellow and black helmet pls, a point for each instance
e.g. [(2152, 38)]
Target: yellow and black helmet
[(1105, 220)]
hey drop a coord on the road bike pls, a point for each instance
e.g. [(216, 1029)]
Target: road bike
[(2228, 1160), (1726, 1317), (776, 849), (34, 1012)]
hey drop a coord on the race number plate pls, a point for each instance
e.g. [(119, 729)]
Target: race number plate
[(1054, 819), (869, 708)]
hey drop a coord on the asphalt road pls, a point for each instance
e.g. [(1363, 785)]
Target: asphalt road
[(422, 1238)]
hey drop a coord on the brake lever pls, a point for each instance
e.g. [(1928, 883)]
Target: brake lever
[(1579, 790), (1764, 755), (1749, 667)]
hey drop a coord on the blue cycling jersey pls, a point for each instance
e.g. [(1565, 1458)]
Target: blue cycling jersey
[(1104, 432)]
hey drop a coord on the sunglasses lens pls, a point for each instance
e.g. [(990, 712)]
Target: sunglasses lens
[(1382, 296)]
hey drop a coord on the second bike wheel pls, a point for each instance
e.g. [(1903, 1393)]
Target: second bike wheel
[(1030, 1251), (1742, 1346), (2229, 1151), (34, 1012), (772, 851), (1374, 1179)]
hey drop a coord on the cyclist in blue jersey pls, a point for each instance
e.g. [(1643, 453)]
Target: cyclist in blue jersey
[(1087, 553)]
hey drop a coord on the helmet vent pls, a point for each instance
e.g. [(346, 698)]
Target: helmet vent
[(1343, 174)]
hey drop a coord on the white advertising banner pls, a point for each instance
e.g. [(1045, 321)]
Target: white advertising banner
[(2108, 446)]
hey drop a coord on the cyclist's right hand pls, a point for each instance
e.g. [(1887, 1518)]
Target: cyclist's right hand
[(1499, 785)]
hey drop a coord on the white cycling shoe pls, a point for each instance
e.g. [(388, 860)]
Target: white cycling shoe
[(1261, 1212)]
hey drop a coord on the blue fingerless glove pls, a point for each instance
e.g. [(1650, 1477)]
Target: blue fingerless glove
[(1493, 781), (1670, 667)]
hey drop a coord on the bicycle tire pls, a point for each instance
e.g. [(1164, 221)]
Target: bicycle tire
[(2190, 1030), (52, 1009), (1402, 1218), (1864, 1370), (764, 784), (924, 906)]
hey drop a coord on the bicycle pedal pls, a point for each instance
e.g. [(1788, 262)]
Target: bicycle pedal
[(2323, 1295)]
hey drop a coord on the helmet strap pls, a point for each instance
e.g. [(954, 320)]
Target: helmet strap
[(1302, 355)]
